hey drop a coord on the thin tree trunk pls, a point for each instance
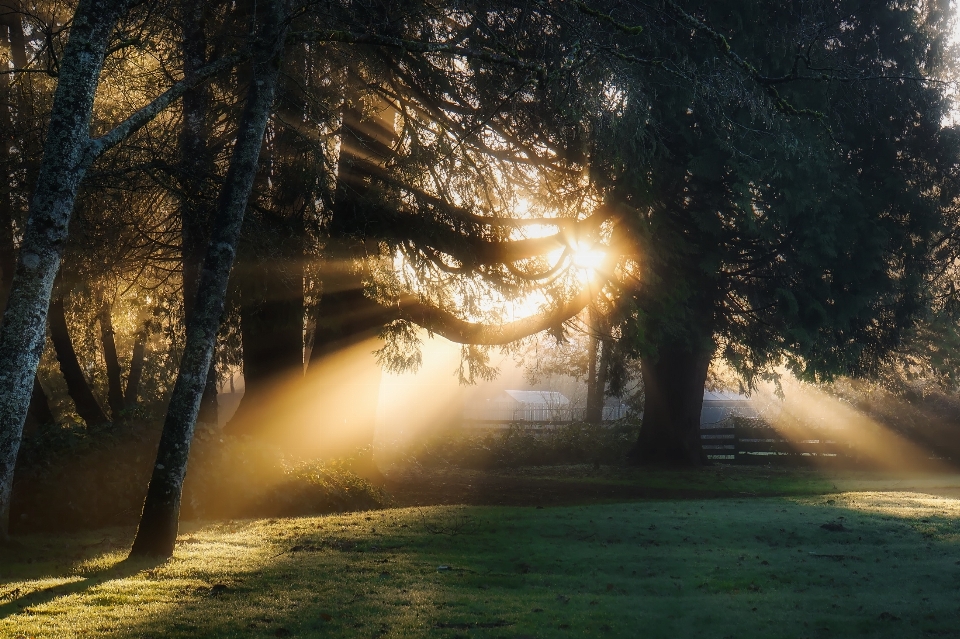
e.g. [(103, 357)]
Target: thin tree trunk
[(603, 372), (132, 390), (594, 412), (68, 153), (673, 384), (112, 361), (157, 532), (80, 392)]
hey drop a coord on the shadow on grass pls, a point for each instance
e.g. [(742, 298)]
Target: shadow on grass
[(18, 599), (871, 564)]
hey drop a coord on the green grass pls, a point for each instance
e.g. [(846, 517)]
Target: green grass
[(730, 567), (716, 481)]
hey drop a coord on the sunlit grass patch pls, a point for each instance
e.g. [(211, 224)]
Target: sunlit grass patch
[(849, 564)]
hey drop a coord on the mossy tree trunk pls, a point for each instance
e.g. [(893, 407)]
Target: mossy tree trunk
[(68, 153), (11, 35), (157, 531)]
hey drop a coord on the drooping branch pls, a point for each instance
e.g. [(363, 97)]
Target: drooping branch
[(468, 245), (463, 331)]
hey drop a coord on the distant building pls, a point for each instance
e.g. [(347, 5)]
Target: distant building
[(536, 406), (523, 406)]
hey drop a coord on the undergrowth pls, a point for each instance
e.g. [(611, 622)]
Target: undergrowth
[(516, 446), (73, 478)]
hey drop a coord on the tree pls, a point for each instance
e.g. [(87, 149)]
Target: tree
[(744, 213), (157, 531), (68, 153)]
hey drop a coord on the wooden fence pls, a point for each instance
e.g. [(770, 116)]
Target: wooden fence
[(743, 442)]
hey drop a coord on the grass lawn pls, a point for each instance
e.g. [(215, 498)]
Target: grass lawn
[(847, 564)]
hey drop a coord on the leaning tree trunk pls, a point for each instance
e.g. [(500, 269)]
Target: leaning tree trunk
[(79, 389), (132, 390), (68, 153), (157, 532), (673, 385), (112, 361)]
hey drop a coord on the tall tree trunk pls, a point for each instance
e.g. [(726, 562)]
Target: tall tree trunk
[(596, 373), (8, 258), (79, 389), (112, 361), (157, 532), (673, 384), (132, 391), (67, 154), (65, 160), (196, 166), (38, 413)]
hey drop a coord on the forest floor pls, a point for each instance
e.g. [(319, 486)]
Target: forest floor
[(722, 552)]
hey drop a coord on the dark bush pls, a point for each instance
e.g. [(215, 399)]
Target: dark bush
[(71, 477)]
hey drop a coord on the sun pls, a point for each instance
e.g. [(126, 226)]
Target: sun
[(587, 257)]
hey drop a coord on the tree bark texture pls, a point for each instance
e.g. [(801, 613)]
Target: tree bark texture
[(157, 532), (65, 160), (7, 253), (11, 34), (112, 361), (673, 383), (79, 389)]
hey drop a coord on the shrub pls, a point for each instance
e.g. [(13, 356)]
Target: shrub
[(573, 443), (73, 477)]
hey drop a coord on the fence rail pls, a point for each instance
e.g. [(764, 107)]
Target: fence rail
[(762, 444)]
